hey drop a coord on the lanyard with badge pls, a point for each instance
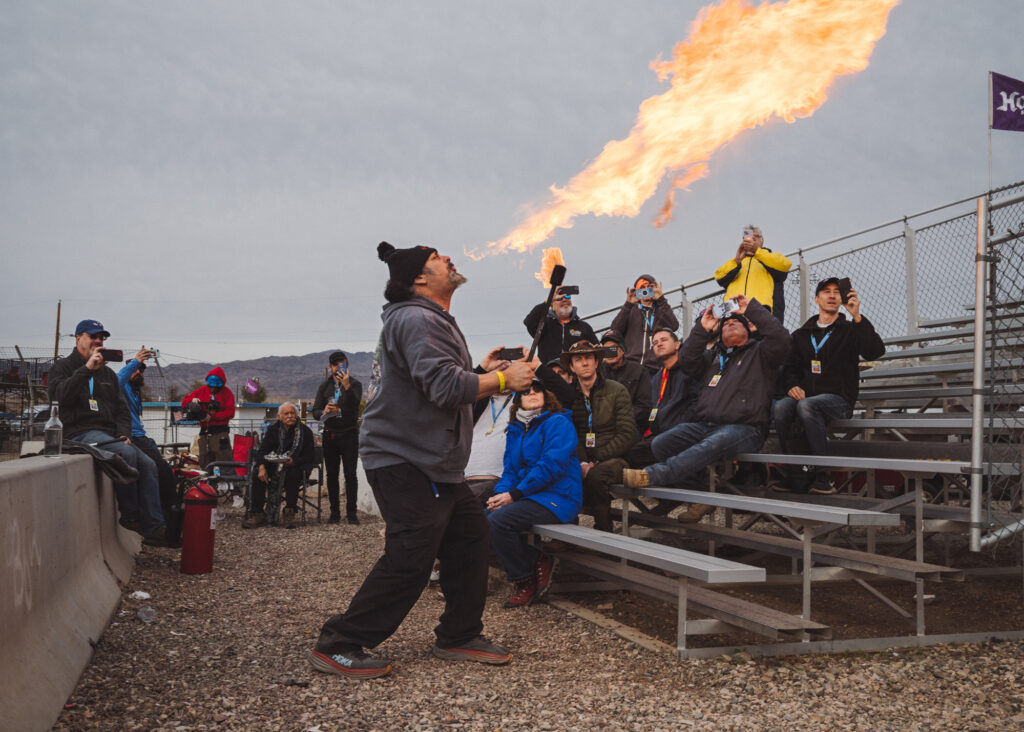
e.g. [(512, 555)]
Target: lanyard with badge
[(494, 416), (815, 363), (661, 394), (93, 404), (591, 435), (722, 361)]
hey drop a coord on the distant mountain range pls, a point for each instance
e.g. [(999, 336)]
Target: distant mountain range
[(286, 378)]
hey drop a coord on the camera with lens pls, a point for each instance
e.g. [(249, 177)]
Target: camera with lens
[(721, 309), (569, 290), (643, 293)]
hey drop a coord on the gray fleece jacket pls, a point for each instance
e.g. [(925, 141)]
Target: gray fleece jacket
[(419, 406)]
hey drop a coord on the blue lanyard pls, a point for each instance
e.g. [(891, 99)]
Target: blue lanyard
[(494, 416), (722, 361), (90, 385), (648, 318), (590, 414), (337, 393), (817, 346)]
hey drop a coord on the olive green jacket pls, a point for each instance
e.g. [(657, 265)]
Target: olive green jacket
[(610, 419)]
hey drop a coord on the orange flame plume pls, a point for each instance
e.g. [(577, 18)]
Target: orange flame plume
[(551, 257), (740, 67)]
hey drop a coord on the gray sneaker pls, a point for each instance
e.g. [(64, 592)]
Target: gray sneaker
[(479, 649), (351, 665)]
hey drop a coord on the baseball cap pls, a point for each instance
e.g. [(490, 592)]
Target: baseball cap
[(92, 327)]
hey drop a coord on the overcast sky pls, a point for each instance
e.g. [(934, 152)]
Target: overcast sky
[(212, 178)]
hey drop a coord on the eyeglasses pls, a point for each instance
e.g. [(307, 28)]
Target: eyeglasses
[(564, 297), (534, 389), (96, 336)]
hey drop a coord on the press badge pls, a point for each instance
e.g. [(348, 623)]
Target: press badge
[(654, 413), (591, 439), (715, 379), (94, 405), (815, 367)]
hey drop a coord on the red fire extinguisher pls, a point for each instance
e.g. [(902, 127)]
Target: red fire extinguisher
[(199, 529)]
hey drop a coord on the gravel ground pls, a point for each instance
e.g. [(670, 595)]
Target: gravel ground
[(228, 652)]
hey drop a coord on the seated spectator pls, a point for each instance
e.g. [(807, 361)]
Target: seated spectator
[(639, 318), (289, 438), (215, 404), (731, 415), (555, 365), (540, 484), (756, 272), (822, 375), (630, 374), (94, 411), (605, 429), (131, 378), (562, 326)]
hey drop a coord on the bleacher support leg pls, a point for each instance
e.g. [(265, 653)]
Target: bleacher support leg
[(681, 620)]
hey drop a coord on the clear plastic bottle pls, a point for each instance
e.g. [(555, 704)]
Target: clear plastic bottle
[(53, 433)]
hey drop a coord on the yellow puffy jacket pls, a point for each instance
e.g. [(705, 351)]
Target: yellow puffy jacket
[(759, 277)]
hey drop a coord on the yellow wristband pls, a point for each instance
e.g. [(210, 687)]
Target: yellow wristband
[(501, 381)]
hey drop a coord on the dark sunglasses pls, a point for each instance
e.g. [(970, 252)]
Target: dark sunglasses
[(564, 297), (534, 389)]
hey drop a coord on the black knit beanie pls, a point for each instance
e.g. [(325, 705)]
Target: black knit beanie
[(404, 265)]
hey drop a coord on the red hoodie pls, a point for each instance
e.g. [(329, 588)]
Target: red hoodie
[(218, 421)]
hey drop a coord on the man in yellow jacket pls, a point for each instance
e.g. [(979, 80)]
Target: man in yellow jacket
[(756, 272)]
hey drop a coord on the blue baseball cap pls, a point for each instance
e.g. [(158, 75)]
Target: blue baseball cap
[(92, 327)]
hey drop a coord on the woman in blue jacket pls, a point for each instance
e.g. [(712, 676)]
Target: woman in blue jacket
[(541, 484)]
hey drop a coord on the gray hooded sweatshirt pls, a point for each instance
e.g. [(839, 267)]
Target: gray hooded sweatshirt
[(419, 406)]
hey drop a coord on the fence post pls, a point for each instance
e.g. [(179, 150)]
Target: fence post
[(805, 292), (686, 308), (910, 249), (977, 399)]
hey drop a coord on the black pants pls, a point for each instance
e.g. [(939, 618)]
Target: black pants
[(341, 448), (421, 524), (170, 502), (293, 478)]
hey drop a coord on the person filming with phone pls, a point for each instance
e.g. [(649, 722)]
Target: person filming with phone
[(756, 272), (822, 375), (644, 312), (94, 411), (337, 406)]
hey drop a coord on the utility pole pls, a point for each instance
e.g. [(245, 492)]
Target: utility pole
[(56, 337)]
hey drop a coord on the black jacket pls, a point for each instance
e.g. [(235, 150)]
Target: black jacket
[(347, 418), (69, 385), (637, 325), (283, 442), (678, 403), (845, 344), (743, 393), (556, 338), (634, 377)]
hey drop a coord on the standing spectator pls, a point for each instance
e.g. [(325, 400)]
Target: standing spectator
[(757, 272), (640, 317), (94, 411), (630, 374), (562, 326), (605, 429), (822, 375), (337, 406), (215, 405), (131, 377), (287, 438), (731, 415), (540, 484), (415, 441)]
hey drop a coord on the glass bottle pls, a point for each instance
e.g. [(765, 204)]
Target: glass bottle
[(53, 433)]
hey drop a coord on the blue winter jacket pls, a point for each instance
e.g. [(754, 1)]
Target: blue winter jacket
[(541, 464), (131, 398)]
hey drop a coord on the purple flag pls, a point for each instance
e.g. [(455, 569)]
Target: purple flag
[(1007, 111), (251, 386)]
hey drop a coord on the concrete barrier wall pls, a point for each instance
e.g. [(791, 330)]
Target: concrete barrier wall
[(63, 560)]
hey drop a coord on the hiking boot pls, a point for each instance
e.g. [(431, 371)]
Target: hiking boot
[(350, 665), (255, 520), (544, 572), (524, 593), (131, 523), (335, 518), (695, 513), (479, 649), (352, 519), (288, 518), (157, 538), (635, 478), (823, 487)]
